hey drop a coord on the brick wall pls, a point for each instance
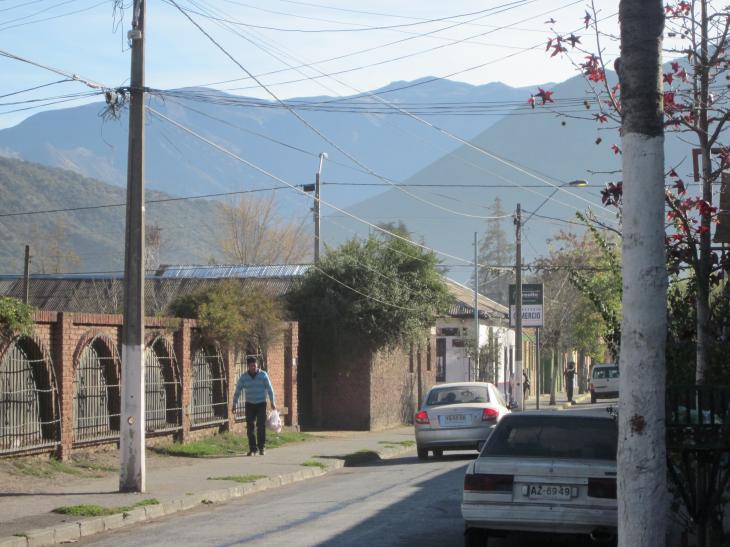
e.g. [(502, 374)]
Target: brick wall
[(349, 387), (398, 381), (61, 337)]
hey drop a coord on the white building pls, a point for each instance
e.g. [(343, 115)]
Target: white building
[(455, 339)]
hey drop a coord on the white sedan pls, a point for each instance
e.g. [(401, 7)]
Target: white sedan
[(457, 416), (544, 472)]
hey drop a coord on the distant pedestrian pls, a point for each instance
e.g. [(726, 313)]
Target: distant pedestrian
[(569, 374), (525, 384), (255, 385)]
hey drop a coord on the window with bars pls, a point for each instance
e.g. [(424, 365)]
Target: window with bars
[(96, 392), (28, 399), (209, 398), (163, 389)]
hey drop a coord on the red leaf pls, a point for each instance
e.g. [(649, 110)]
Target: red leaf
[(616, 149), (587, 19)]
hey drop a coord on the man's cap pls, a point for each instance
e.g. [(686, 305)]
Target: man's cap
[(250, 359)]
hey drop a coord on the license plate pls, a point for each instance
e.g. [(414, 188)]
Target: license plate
[(453, 420), (549, 491)]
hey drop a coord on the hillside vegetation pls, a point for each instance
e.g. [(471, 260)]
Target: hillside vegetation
[(91, 239)]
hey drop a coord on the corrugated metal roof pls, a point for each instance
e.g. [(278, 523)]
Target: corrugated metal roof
[(247, 271), (104, 294), (464, 305)]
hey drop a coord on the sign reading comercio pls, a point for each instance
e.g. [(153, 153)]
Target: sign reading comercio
[(532, 305)]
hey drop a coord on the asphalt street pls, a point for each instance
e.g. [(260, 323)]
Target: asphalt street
[(394, 502)]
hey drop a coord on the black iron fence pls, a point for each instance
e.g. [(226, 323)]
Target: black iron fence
[(29, 412), (209, 402), (96, 392), (163, 388), (698, 454)]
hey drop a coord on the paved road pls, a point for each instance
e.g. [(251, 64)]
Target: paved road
[(394, 502)]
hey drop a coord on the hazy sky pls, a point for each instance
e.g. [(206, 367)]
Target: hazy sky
[(88, 38)]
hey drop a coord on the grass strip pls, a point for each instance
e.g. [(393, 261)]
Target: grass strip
[(398, 443), (314, 463), (238, 478), (226, 444), (92, 510)]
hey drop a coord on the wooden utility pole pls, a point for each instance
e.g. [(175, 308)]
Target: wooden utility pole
[(642, 462), (26, 275), (518, 394), (132, 433)]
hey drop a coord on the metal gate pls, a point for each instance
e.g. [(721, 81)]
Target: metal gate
[(28, 399), (163, 391), (210, 398), (96, 392)]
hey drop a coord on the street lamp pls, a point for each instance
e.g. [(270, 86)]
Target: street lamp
[(572, 184), (519, 393)]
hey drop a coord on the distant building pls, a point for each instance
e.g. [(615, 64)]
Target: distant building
[(456, 339)]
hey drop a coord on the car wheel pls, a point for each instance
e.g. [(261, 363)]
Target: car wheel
[(475, 537), (422, 453), (593, 398), (438, 453)]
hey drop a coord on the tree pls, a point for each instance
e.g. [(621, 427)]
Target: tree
[(52, 253), (16, 318), (695, 106), (232, 312), (380, 292), (496, 248), (253, 233)]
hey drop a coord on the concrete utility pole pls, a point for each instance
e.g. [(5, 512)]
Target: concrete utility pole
[(518, 393), (26, 275), (476, 309), (642, 459), (317, 247), (132, 430)]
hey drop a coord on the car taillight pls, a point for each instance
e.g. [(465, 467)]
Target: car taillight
[(422, 417), (602, 488), (488, 483), (489, 414)]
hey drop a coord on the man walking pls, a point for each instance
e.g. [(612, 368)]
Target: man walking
[(256, 385)]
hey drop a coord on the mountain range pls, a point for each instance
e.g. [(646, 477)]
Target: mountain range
[(470, 145)]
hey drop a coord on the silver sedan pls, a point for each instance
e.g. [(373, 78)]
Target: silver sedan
[(457, 416)]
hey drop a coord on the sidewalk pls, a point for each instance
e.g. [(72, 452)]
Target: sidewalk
[(561, 401), (178, 483)]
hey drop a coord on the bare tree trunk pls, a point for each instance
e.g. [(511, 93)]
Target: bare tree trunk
[(702, 275), (642, 488), (553, 376)]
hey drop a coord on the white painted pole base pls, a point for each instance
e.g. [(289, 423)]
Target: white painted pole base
[(132, 426)]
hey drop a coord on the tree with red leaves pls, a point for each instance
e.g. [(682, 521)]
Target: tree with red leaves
[(696, 105)]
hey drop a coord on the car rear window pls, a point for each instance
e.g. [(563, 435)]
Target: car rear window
[(536, 436), (605, 372), (457, 394)]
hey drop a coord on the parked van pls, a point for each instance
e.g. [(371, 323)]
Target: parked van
[(604, 382)]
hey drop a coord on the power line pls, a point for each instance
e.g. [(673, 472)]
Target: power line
[(365, 29), (298, 189), (481, 150), (161, 200), (310, 126)]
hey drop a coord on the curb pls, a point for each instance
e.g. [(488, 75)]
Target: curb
[(70, 532), (578, 400)]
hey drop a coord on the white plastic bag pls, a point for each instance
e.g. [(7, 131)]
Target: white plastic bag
[(273, 422)]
